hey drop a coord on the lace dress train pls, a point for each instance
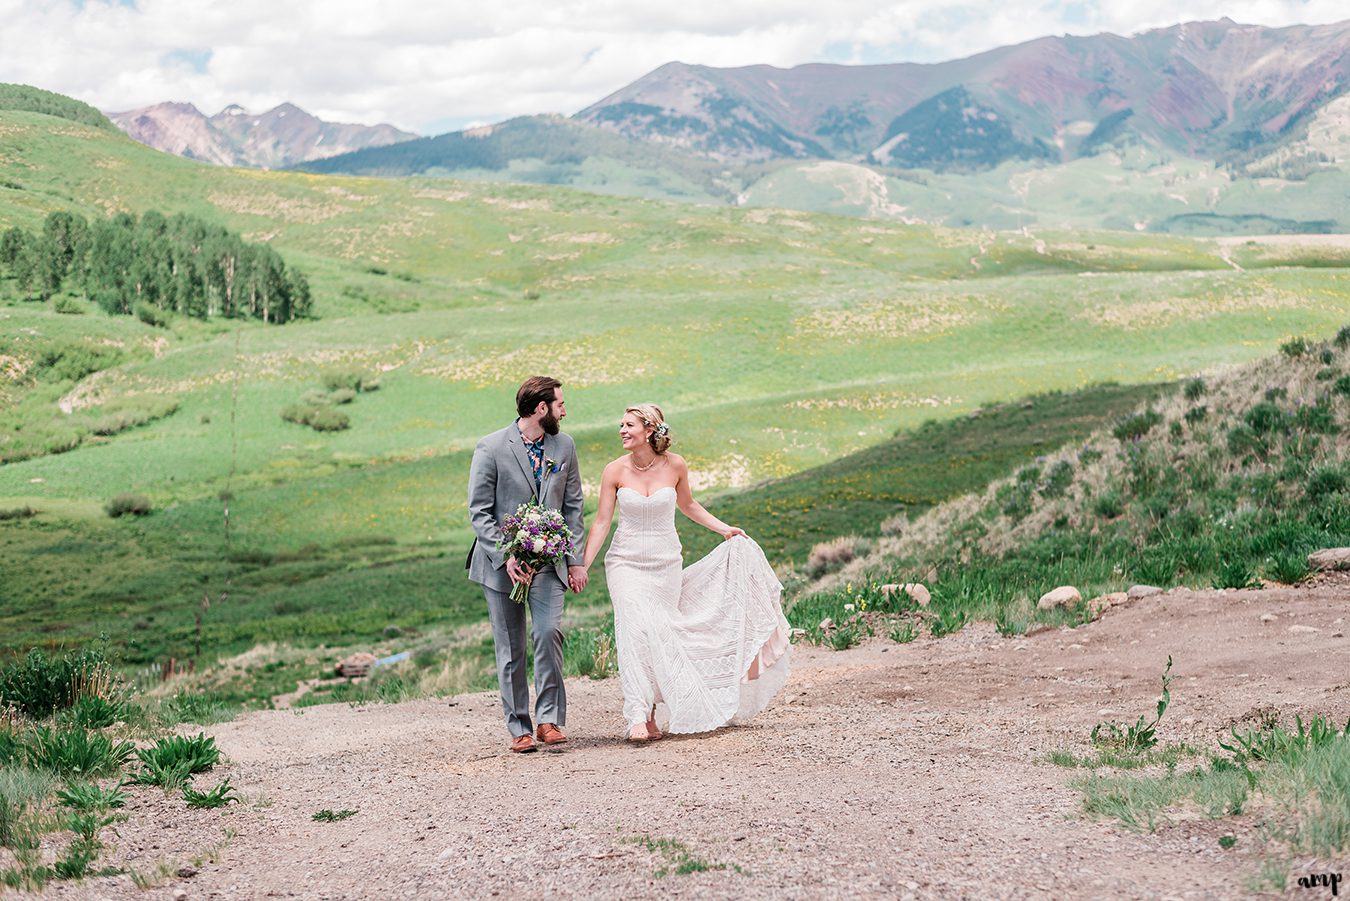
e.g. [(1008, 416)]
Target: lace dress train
[(710, 642)]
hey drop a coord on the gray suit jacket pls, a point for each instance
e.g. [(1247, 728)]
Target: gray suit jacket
[(500, 480)]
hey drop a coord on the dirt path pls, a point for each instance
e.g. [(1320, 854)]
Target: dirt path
[(887, 771)]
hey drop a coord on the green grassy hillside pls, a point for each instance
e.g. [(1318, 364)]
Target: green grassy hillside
[(913, 471), (776, 342), (548, 150), (1224, 481)]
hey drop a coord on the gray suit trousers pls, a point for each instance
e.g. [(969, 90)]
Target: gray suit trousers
[(508, 634)]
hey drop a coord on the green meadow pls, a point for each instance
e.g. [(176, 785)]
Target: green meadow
[(776, 342)]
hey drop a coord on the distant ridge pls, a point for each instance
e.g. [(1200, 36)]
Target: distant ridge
[(1207, 89), (280, 137)]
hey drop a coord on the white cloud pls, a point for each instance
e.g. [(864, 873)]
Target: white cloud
[(414, 63)]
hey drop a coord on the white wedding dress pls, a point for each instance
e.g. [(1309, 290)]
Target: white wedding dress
[(710, 643)]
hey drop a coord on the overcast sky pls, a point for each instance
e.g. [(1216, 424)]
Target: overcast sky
[(430, 69)]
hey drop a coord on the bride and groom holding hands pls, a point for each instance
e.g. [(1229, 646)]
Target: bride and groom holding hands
[(706, 645)]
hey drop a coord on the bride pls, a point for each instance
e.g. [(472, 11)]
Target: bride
[(710, 642)]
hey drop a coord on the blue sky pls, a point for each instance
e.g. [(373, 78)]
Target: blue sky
[(433, 67)]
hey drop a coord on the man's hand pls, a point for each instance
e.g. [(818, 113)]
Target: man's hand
[(517, 572), (577, 577)]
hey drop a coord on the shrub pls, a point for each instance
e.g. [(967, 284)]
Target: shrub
[(1343, 337), (895, 525), (72, 362), (1342, 385), (17, 513), (152, 316), (1196, 415), (350, 380), (68, 306), (60, 441), (832, 555), (342, 396), (1326, 356), (1266, 418), (1109, 505), (39, 685), (1295, 347), (319, 417), (1195, 389), (132, 413), (1015, 499), (1318, 418), (1324, 481), (1058, 479), (1243, 440), (1327, 373), (124, 504), (76, 752), (1136, 426)]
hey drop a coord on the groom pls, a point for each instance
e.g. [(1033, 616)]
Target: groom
[(528, 460)]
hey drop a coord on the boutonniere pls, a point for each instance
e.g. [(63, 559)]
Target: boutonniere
[(552, 466)]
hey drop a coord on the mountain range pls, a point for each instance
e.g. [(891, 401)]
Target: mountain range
[(1187, 128), (1217, 90), (280, 137)]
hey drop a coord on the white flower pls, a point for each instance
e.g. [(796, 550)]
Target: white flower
[(538, 545), (848, 608)]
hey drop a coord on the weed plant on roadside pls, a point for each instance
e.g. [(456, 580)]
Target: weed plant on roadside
[(332, 816), (1142, 736), (89, 796), (172, 760), (76, 752), (219, 796)]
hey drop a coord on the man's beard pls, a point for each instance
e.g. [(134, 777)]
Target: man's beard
[(549, 423)]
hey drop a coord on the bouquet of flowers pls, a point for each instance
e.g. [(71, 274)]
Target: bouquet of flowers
[(535, 536)]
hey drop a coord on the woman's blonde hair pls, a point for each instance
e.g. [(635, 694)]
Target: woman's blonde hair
[(650, 415)]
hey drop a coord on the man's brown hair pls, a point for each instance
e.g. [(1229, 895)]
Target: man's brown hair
[(535, 390)]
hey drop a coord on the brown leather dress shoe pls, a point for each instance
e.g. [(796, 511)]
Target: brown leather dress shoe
[(522, 744), (550, 734)]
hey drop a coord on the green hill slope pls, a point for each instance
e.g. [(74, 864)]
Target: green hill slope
[(547, 150), (912, 472), (25, 98), (1223, 481)]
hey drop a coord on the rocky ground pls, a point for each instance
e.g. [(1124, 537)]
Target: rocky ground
[(885, 771)]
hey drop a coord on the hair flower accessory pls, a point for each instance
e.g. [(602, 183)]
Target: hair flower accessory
[(662, 430)]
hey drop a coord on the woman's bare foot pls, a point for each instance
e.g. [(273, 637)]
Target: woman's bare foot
[(653, 733), (639, 734)]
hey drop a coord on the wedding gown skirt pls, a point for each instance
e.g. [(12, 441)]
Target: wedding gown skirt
[(709, 642)]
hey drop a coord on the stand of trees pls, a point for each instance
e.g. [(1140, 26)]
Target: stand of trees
[(181, 264)]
